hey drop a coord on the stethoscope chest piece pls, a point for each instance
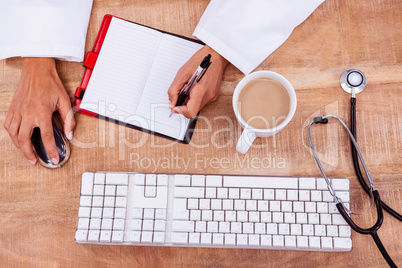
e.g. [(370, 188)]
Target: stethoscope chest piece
[(355, 79)]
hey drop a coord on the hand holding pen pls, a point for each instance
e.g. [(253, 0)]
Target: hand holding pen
[(195, 78)]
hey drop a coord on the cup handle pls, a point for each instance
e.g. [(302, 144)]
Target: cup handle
[(246, 139)]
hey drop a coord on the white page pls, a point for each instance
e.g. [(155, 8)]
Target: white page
[(121, 70), (172, 54)]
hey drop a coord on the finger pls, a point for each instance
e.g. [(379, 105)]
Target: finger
[(192, 107), (175, 88), (46, 132), (14, 129), (67, 116), (24, 139), (7, 121)]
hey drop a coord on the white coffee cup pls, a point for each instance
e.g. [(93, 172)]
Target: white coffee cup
[(250, 133)]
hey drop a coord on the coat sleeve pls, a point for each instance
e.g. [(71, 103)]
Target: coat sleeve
[(247, 32), (42, 28)]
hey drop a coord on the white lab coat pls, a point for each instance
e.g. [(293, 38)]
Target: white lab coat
[(244, 32)]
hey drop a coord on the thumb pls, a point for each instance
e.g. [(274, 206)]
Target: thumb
[(177, 85), (67, 116)]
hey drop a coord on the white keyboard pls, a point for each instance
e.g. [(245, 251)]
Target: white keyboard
[(290, 213)]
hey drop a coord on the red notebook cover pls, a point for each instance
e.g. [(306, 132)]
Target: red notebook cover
[(89, 64)]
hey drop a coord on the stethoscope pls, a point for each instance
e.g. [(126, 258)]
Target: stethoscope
[(354, 81)]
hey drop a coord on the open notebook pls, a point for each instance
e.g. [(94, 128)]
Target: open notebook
[(132, 74)]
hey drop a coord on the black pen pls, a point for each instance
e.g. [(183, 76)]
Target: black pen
[(195, 78)]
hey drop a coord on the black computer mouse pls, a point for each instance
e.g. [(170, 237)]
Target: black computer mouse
[(62, 144)]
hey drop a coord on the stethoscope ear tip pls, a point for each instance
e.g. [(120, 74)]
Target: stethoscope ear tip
[(355, 79)]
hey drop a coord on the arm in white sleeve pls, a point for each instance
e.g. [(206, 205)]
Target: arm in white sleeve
[(247, 32), (42, 28)]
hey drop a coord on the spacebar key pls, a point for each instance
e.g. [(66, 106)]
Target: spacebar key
[(260, 182), (189, 192)]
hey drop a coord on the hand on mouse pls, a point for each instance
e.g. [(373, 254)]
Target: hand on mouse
[(40, 92), (207, 90)]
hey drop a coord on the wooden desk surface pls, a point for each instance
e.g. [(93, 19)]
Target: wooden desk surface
[(38, 207)]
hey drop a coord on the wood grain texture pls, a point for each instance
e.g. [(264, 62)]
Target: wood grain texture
[(38, 207)]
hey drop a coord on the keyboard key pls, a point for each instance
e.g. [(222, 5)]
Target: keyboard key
[(342, 243), (327, 197), (235, 227), (217, 239), (222, 193), (316, 196), (274, 205), (99, 190), (272, 228), (206, 239), (116, 178), (337, 219), (295, 229), (122, 190), (214, 181), (107, 224), (344, 231), (194, 238), (195, 215), (325, 218), (121, 202), (227, 204), (292, 195), (95, 224), (302, 241), (277, 217), (108, 213), (224, 227), (234, 193), (262, 205), (212, 227), (266, 240), (150, 191), (314, 242), (216, 204), (160, 214), (109, 201), (259, 228), (343, 195), (189, 192), (248, 228), (192, 203), (256, 193), (100, 178), (219, 215), (182, 180), (110, 190), (278, 241), (308, 229), (84, 212), (290, 217), (118, 224), (253, 216), (183, 226), (283, 229), (87, 181), (251, 205), (230, 239), (205, 204), (321, 184), (322, 207), (206, 215), (254, 240), (160, 225), (200, 226), (326, 242), (135, 237), (210, 192), (93, 235), (242, 240), (319, 230), (198, 180), (85, 201), (230, 215), (298, 206), (105, 236), (136, 225), (120, 213), (96, 212), (242, 216), (269, 194), (301, 217), (146, 237), (159, 237), (240, 205), (266, 217), (340, 184), (162, 180), (139, 179), (149, 213), (290, 241), (307, 183), (260, 182), (245, 193), (310, 207), (280, 194), (180, 211), (83, 223), (332, 230), (313, 218), (304, 195), (286, 206)]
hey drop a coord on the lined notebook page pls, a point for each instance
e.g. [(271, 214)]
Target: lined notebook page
[(172, 53), (121, 70), (133, 72)]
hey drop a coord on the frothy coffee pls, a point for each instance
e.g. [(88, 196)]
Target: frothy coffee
[(264, 103)]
